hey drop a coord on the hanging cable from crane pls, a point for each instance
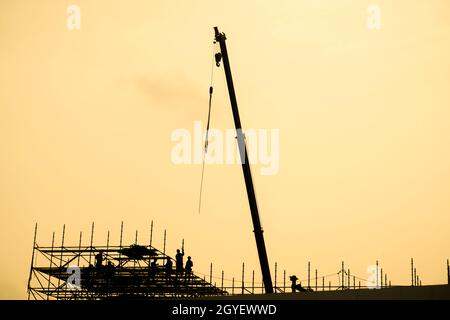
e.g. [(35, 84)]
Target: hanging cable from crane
[(205, 149)]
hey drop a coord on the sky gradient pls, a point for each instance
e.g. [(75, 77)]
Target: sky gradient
[(86, 118)]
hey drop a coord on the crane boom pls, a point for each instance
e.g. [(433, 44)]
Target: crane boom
[(258, 231)]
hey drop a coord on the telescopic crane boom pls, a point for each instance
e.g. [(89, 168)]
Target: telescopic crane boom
[(220, 38)]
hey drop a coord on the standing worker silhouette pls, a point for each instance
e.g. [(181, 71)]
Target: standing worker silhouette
[(188, 268), (153, 270), (99, 260), (179, 262), (168, 268)]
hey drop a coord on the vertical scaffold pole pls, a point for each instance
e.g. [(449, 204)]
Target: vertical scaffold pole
[(151, 233), (92, 241), (79, 248), (50, 266), (61, 258), (164, 248), (120, 242)]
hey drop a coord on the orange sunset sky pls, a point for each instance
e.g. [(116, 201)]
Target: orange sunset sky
[(86, 118)]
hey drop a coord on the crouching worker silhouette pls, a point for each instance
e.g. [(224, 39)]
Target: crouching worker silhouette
[(294, 286), (188, 268)]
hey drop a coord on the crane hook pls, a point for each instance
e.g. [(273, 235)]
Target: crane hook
[(218, 57)]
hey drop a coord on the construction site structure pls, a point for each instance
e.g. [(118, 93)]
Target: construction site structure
[(95, 272)]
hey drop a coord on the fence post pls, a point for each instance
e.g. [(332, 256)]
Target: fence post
[(210, 273), (316, 279), (276, 270), (348, 279), (253, 282), (243, 270), (448, 272), (262, 285), (232, 286), (415, 277), (377, 286), (309, 269)]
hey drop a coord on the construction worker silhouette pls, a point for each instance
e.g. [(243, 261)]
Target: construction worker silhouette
[(179, 262), (294, 286), (168, 268), (188, 268), (99, 260), (153, 269)]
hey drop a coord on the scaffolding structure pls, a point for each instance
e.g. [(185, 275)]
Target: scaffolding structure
[(110, 272), (97, 272)]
